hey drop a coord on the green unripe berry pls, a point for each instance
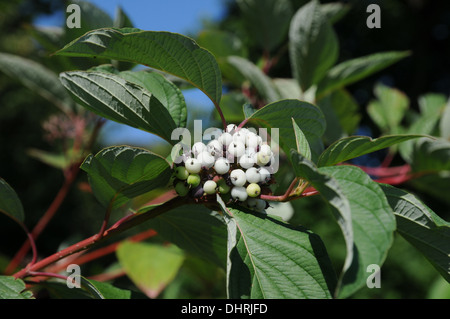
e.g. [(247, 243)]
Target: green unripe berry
[(193, 180), (253, 190), (181, 173), (223, 187), (181, 188), (210, 187)]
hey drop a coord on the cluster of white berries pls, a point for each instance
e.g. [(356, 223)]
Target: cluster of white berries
[(237, 162)]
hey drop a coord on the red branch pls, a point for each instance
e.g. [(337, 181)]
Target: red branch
[(88, 242)]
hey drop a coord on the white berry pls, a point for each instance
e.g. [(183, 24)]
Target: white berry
[(237, 149), (206, 159), (238, 177), (231, 128), (226, 138), (264, 174), (215, 148), (193, 165), (253, 175), (210, 187), (197, 148), (246, 161), (265, 150), (252, 140), (239, 193), (222, 166), (239, 136)]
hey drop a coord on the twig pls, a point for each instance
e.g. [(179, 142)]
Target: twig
[(88, 242)]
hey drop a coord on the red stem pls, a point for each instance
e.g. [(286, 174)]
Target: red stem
[(101, 251), (386, 171), (222, 117), (69, 177), (88, 242), (109, 275), (45, 219)]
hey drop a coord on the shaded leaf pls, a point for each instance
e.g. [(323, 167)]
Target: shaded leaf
[(255, 76), (341, 113), (302, 142), (353, 146), (165, 92), (421, 227), (221, 43), (389, 108), (267, 21), (38, 79), (120, 173), (116, 99), (351, 71), (313, 45), (10, 203), (279, 115), (444, 124), (195, 229), (334, 11), (431, 156)]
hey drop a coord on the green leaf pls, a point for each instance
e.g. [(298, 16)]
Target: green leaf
[(431, 156), (389, 108), (267, 21), (92, 17), (302, 142), (332, 192), (10, 203), (38, 79), (351, 71), (169, 52), (270, 259), (12, 288), (221, 43), (120, 173), (59, 161), (279, 115), (151, 267), (444, 124), (90, 289), (354, 146), (362, 212), (194, 229), (341, 114), (431, 111), (165, 92), (372, 220), (334, 11), (422, 228), (116, 99), (432, 104), (107, 291), (288, 88), (248, 110), (313, 45), (255, 76)]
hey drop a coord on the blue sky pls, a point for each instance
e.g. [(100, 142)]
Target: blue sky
[(181, 16)]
